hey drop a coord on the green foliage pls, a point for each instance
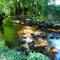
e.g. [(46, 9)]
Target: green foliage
[(10, 55), (41, 18), (7, 54), (54, 13), (3, 49), (10, 32), (37, 56), (8, 22), (4, 7), (2, 43), (14, 55), (36, 8)]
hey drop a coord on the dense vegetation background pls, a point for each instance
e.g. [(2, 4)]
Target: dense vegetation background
[(37, 9)]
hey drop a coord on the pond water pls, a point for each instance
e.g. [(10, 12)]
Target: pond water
[(55, 39), (55, 42)]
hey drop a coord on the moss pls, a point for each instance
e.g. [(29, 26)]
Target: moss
[(10, 32)]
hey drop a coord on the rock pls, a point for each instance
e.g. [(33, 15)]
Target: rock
[(26, 30), (41, 33), (41, 43)]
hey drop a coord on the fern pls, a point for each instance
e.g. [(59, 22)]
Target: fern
[(8, 54), (37, 56)]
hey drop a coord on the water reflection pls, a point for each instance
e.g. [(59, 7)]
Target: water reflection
[(57, 55), (55, 42)]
